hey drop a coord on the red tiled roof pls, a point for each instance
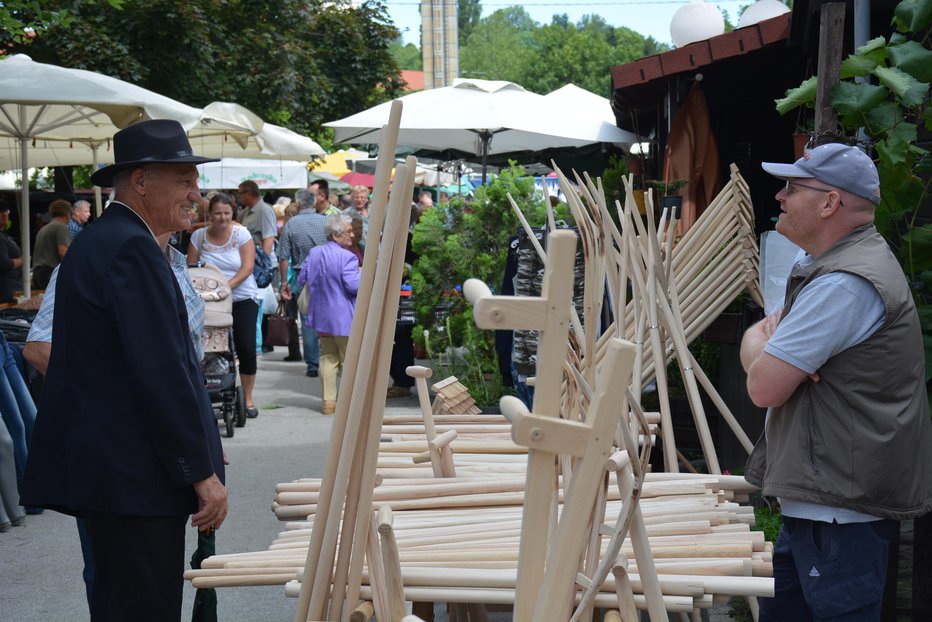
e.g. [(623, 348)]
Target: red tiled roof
[(414, 79), (695, 55)]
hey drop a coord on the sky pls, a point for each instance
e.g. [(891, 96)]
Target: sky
[(647, 17)]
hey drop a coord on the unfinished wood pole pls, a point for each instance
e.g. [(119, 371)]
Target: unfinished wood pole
[(642, 551), (323, 541), (627, 609), (392, 565), (657, 348), (378, 373), (541, 474), (363, 612), (570, 536), (377, 578), (420, 375)]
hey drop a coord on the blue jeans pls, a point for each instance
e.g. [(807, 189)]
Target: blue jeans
[(16, 406), (524, 392), (311, 347), (828, 572)]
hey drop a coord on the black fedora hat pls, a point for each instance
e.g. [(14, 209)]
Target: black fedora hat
[(160, 141)]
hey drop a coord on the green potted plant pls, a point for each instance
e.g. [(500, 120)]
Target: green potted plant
[(666, 192)]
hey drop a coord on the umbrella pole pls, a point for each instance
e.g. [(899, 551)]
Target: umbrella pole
[(24, 208), (97, 199), (486, 138)]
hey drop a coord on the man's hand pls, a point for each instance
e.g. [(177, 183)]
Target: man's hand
[(756, 338), (212, 504), (286, 291)]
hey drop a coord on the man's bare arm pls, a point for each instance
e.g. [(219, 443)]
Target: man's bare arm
[(37, 353)]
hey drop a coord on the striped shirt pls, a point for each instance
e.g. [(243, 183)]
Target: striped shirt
[(300, 234), (41, 329)]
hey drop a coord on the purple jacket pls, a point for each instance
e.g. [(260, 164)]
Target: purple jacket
[(332, 272)]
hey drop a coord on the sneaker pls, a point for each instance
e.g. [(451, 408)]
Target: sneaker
[(399, 391), (328, 408), (311, 373)]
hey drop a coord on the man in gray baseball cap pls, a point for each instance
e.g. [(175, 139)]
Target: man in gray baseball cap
[(847, 446)]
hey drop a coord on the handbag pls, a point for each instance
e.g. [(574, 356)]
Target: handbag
[(304, 300), (263, 270), (279, 329)]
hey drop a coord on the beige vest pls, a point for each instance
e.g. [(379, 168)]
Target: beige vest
[(860, 438)]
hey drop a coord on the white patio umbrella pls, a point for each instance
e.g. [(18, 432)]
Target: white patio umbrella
[(587, 115), (55, 116), (474, 117), (40, 101), (481, 118)]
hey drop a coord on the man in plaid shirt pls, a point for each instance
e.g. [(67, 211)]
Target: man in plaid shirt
[(299, 235)]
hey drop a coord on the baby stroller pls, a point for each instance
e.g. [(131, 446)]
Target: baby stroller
[(219, 364)]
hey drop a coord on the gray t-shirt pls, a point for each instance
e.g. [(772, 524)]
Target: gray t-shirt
[(47, 241), (261, 223), (834, 312)]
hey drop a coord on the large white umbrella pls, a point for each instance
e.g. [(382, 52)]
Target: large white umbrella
[(587, 115), (221, 135), (474, 117), (40, 101), (481, 118), (59, 116)]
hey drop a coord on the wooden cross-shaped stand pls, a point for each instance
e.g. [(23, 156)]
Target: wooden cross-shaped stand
[(549, 314)]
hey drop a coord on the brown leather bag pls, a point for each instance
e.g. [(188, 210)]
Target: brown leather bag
[(279, 327)]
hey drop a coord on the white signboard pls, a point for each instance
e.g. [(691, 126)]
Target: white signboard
[(229, 173)]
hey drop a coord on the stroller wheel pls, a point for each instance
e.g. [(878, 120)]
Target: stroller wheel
[(228, 420), (240, 407)]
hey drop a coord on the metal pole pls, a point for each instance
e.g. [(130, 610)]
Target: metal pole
[(24, 215), (97, 199)]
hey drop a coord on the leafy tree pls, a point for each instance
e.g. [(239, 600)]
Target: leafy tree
[(21, 21), (509, 45), (569, 54), (294, 62), (406, 56), (500, 47), (467, 17)]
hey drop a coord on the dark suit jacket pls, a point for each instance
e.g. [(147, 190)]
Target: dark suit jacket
[(125, 424)]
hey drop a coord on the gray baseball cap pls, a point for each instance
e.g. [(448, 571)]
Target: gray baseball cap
[(841, 166)]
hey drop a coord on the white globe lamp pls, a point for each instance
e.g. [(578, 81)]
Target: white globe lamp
[(694, 22), (761, 10)]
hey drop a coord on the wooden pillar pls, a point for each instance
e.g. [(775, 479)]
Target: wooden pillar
[(831, 39)]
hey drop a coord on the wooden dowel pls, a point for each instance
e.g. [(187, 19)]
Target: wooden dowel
[(392, 565), (363, 612)]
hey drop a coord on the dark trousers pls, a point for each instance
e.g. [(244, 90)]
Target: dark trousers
[(244, 334), (828, 572), (402, 356), (294, 340), (41, 275), (139, 566)]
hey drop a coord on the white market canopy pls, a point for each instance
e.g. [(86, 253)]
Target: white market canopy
[(60, 116)]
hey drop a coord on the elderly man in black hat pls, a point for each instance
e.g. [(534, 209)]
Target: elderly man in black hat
[(125, 436), (847, 447)]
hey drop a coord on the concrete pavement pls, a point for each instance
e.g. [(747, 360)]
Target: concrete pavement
[(42, 561)]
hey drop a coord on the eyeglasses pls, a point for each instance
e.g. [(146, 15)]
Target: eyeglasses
[(791, 186)]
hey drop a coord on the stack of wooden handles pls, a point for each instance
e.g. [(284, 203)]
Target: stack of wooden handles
[(552, 508)]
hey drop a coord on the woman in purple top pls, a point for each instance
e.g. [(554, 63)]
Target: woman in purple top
[(332, 274)]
